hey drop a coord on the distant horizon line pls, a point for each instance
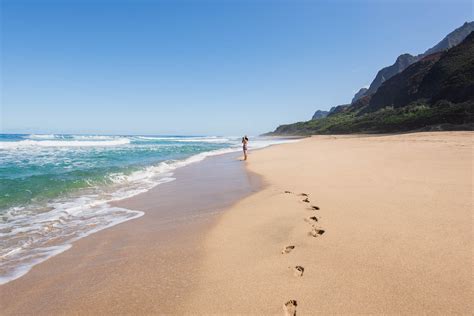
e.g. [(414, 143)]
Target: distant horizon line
[(120, 134)]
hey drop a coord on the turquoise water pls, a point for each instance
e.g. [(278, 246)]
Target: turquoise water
[(38, 168), (55, 189)]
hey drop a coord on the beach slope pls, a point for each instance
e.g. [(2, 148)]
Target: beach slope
[(386, 228)]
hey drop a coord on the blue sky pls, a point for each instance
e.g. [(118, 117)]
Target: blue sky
[(200, 67)]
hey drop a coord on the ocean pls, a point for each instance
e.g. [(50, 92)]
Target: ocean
[(55, 189)]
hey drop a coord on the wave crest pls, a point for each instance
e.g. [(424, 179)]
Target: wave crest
[(195, 139), (63, 143)]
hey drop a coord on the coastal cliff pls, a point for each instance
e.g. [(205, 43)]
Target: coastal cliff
[(434, 93)]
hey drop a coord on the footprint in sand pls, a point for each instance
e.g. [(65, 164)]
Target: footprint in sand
[(316, 232), (287, 249), (298, 271), (290, 308), (311, 219), (315, 208), (306, 200)]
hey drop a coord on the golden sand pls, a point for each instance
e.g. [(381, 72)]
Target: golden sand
[(386, 228), (343, 225)]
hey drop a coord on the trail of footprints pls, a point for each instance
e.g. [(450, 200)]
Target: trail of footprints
[(290, 307)]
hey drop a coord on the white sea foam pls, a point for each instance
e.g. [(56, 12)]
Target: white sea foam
[(66, 136), (63, 143), (205, 140), (43, 136), (191, 139), (28, 238), (94, 137)]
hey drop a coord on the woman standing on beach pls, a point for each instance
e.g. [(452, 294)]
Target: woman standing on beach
[(245, 140)]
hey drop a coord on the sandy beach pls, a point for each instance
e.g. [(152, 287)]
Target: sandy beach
[(341, 225), (395, 213), (236, 158), (143, 266)]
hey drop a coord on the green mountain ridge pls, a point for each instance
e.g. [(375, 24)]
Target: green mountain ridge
[(403, 61), (435, 93)]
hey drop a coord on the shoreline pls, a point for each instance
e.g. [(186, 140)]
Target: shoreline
[(103, 271), (387, 228), (112, 203), (84, 199), (390, 236)]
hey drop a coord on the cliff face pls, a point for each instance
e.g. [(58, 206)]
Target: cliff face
[(440, 76), (452, 39), (338, 109), (403, 61), (359, 94), (403, 87), (452, 77), (319, 114), (437, 92)]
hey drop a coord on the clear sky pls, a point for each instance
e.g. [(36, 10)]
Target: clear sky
[(200, 67)]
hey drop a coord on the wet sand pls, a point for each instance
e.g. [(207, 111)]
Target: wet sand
[(385, 228), (142, 266)]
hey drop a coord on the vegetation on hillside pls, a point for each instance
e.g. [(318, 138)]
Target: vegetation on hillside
[(436, 92), (444, 115)]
